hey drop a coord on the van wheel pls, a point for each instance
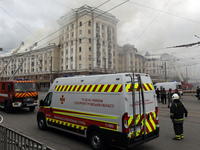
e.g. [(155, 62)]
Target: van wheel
[(42, 123), (8, 107), (32, 108), (96, 141)]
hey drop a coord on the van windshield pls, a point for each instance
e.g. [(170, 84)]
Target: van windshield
[(25, 87), (179, 86)]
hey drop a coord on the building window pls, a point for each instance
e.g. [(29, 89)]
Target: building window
[(102, 27), (103, 43), (79, 49), (72, 50), (72, 26), (79, 66), (80, 23), (61, 60), (89, 31), (103, 35), (71, 58), (67, 35), (79, 57), (67, 43), (80, 32), (62, 53), (89, 23), (90, 49), (72, 34), (67, 28), (90, 40), (89, 57), (71, 42), (79, 40), (113, 53), (90, 66), (32, 64), (67, 51)]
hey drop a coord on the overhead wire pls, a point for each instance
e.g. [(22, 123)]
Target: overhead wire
[(67, 25), (86, 21), (153, 20), (165, 12), (18, 22), (61, 4)]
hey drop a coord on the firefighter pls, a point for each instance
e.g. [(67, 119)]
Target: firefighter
[(177, 111)]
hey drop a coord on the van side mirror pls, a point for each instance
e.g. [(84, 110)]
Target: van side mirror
[(41, 102)]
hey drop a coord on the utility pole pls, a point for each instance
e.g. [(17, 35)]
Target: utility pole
[(165, 72), (51, 70)]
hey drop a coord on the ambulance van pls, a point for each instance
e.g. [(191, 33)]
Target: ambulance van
[(169, 85), (114, 109)]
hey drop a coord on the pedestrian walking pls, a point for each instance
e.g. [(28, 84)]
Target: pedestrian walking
[(169, 96), (163, 96), (158, 95), (177, 111)]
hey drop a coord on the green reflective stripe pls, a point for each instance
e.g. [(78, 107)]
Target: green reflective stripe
[(178, 119), (171, 113), (175, 104), (177, 136)]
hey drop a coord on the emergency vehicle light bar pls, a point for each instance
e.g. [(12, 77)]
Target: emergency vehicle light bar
[(22, 79), (67, 75)]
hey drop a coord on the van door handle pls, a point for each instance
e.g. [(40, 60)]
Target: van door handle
[(50, 109)]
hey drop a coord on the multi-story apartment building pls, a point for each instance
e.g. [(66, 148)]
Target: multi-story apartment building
[(88, 41)]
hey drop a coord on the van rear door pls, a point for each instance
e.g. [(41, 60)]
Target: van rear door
[(141, 106)]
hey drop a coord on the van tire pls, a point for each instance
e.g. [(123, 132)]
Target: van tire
[(8, 106), (42, 123), (32, 108), (96, 141)]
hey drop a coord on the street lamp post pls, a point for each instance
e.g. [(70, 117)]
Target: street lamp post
[(51, 70)]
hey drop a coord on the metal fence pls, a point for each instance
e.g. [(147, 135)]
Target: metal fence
[(12, 140)]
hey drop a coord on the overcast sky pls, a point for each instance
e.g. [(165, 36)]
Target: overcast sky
[(150, 25)]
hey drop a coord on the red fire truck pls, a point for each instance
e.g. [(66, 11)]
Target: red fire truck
[(18, 93)]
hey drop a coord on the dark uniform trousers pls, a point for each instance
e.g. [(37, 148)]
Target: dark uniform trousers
[(178, 129)]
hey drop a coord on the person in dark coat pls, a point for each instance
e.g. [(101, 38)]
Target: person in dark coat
[(158, 95), (169, 96), (177, 112)]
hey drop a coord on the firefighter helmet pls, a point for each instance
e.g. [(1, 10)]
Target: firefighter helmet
[(175, 96)]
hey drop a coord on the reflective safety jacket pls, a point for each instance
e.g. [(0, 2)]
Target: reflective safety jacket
[(177, 111)]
